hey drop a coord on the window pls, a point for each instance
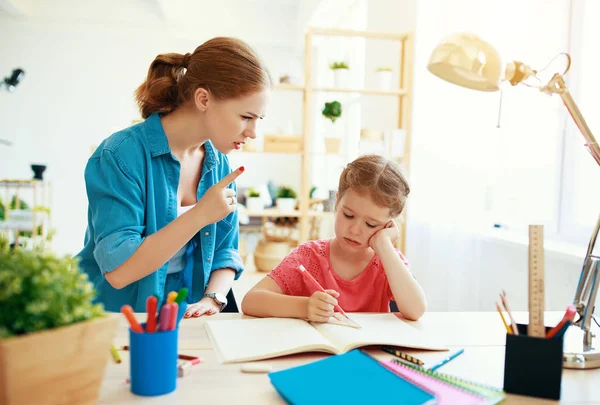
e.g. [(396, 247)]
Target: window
[(581, 176)]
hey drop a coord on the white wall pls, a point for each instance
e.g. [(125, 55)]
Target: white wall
[(78, 89)]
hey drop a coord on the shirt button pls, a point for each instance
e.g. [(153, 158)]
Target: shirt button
[(206, 233), (208, 260)]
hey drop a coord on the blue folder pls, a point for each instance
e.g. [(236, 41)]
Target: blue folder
[(351, 378)]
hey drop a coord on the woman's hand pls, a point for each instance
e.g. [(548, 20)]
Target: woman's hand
[(320, 305), (389, 233), (219, 201), (206, 306)]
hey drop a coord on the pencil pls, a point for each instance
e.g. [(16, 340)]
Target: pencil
[(508, 329), (115, 354), (403, 356), (513, 324), (316, 285)]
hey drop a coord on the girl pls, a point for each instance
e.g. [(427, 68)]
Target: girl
[(359, 268), (162, 206)]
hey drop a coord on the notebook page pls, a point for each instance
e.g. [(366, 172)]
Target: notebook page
[(377, 329), (255, 339)]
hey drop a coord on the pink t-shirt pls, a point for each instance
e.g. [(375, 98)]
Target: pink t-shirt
[(369, 292)]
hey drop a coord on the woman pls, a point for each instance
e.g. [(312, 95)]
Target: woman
[(162, 204)]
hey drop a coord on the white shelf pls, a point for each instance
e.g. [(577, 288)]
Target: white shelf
[(376, 92), (274, 212)]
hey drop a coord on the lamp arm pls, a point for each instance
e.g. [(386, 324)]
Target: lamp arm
[(557, 85), (589, 280)]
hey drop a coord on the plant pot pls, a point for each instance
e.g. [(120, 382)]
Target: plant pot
[(56, 366), (332, 145), (385, 79), (286, 204), (268, 255), (341, 77), (254, 204), (38, 171)]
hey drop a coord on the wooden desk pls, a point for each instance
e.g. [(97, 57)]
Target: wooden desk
[(480, 333)]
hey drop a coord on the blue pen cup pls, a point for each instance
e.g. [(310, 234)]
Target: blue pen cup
[(153, 362)]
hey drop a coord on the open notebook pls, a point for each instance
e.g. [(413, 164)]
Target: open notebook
[(263, 338)]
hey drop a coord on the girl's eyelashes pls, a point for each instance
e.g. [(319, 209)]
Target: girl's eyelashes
[(246, 118), (352, 216)]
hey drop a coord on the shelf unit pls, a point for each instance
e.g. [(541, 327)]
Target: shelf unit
[(404, 95), (39, 205)]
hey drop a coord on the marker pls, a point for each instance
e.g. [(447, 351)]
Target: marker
[(447, 359), (133, 323)]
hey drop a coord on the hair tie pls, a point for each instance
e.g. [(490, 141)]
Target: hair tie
[(186, 60)]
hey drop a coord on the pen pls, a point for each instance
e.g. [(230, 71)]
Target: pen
[(568, 317), (165, 318), (447, 359), (316, 285), (173, 316), (402, 355), (151, 307), (171, 297), (181, 295), (115, 354), (133, 323)]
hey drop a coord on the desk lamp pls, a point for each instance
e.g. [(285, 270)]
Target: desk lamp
[(466, 60)]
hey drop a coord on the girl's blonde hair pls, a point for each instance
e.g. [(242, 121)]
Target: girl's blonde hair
[(378, 177), (226, 67)]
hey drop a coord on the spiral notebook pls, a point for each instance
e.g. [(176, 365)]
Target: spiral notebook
[(350, 378), (448, 390)]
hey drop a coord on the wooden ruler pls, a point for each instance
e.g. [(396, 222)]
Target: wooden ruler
[(536, 281)]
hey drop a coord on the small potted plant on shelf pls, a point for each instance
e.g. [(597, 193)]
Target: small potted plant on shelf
[(50, 329), (286, 199), (385, 77), (332, 111), (254, 201), (341, 71)]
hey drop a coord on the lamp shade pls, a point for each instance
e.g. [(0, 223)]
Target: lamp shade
[(466, 60)]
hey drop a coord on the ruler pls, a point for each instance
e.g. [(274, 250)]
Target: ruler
[(536, 282)]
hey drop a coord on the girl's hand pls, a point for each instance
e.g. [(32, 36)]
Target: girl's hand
[(320, 305), (219, 201), (206, 306), (389, 233)]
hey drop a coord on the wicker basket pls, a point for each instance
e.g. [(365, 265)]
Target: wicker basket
[(268, 255)]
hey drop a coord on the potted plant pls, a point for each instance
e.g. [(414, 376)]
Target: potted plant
[(341, 71), (254, 201), (332, 111), (54, 343), (286, 199), (385, 77)]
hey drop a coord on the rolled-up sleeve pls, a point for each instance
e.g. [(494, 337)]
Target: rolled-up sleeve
[(117, 210)]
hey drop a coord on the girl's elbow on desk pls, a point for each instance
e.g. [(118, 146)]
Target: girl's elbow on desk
[(415, 312)]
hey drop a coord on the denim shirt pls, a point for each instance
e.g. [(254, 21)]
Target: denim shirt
[(131, 182)]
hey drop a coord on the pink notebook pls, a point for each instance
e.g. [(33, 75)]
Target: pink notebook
[(445, 393)]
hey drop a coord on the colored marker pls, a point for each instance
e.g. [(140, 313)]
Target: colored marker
[(133, 323)]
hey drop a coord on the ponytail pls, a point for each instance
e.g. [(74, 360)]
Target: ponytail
[(160, 92)]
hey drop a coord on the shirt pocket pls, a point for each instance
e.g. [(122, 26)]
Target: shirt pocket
[(224, 228)]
